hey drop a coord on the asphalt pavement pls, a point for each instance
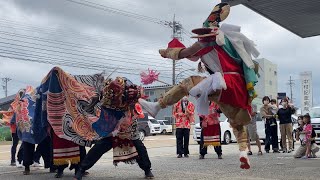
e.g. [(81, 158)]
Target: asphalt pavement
[(165, 165)]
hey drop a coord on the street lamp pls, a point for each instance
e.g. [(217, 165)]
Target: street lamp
[(192, 69)]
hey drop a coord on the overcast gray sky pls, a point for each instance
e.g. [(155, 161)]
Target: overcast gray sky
[(62, 32)]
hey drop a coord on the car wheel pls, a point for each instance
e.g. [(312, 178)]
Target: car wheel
[(164, 132), (227, 137), (142, 135)]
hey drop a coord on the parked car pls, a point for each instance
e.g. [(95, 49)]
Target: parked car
[(165, 126), (143, 127), (148, 126), (154, 126), (315, 121), (227, 135)]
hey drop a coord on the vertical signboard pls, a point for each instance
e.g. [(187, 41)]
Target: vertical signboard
[(306, 92)]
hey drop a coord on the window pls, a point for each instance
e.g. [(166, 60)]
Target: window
[(222, 117), (153, 121), (275, 73), (270, 83), (151, 93), (169, 118)]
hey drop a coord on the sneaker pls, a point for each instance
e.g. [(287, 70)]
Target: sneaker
[(201, 156), (151, 107), (260, 153), (304, 157), (267, 151), (249, 153), (19, 165), (186, 155), (37, 164), (148, 174), (220, 156), (244, 160), (289, 151), (276, 151), (179, 156), (13, 164)]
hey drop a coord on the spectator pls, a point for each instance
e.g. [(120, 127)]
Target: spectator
[(284, 115), (299, 137), (183, 112), (307, 131), (271, 126), (252, 131)]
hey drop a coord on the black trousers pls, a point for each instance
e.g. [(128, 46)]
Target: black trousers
[(204, 150), (182, 135), (271, 135), (104, 145), (15, 142), (44, 150)]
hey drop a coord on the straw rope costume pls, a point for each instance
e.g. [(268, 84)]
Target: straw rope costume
[(226, 55)]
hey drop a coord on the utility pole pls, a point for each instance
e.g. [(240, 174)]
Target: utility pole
[(5, 86), (176, 33), (291, 84)]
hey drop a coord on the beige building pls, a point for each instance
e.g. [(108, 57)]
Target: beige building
[(268, 80)]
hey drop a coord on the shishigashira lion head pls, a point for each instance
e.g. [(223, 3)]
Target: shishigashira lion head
[(120, 93)]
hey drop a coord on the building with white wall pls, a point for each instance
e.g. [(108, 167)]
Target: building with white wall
[(268, 80)]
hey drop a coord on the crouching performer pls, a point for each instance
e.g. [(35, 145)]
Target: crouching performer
[(226, 54), (119, 101)]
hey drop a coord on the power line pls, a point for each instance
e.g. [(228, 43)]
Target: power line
[(22, 26), (82, 46), (117, 11), (67, 64), (72, 61), (74, 54)]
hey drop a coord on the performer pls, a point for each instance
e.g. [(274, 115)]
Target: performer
[(119, 100), (210, 132), (226, 55), (183, 112), (64, 153)]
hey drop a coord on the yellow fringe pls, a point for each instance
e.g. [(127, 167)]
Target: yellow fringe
[(66, 161), (212, 144), (250, 86)]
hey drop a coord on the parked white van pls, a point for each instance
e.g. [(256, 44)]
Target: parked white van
[(315, 121), (165, 126)]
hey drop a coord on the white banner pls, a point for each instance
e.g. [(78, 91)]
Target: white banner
[(306, 92)]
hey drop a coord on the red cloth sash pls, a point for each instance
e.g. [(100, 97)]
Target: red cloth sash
[(211, 135)]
